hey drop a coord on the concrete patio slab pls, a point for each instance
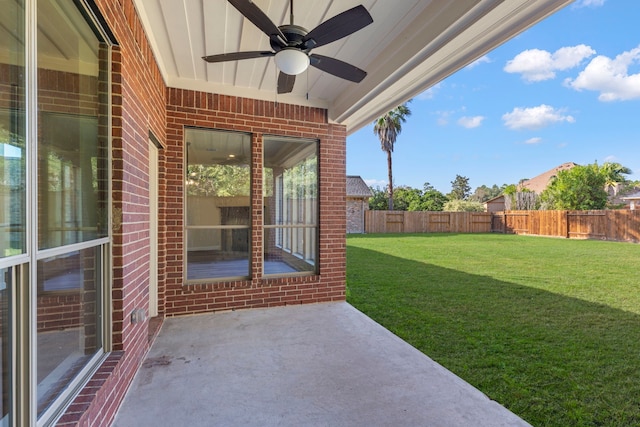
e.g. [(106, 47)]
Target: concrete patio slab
[(310, 365)]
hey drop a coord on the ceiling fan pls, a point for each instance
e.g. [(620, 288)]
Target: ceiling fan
[(292, 44)]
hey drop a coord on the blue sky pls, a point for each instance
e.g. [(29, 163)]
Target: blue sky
[(566, 90)]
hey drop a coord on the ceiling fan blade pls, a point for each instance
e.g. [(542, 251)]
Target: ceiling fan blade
[(341, 25), (285, 82), (236, 56), (337, 68), (259, 19)]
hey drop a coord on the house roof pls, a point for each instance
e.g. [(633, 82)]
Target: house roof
[(634, 196), (356, 187), (540, 182), (410, 46), (495, 199)]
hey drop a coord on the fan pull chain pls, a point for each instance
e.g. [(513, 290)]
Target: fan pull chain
[(275, 103)]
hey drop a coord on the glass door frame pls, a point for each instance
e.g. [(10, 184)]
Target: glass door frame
[(23, 287)]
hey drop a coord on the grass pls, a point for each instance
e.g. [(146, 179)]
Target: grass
[(550, 328)]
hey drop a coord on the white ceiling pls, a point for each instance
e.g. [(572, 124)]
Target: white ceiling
[(411, 45)]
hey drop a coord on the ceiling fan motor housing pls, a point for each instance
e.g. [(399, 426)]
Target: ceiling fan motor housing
[(294, 35)]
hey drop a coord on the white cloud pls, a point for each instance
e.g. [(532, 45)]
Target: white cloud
[(588, 3), (443, 117), (375, 183), (534, 117), (484, 59), (610, 77), (470, 122), (430, 93), (537, 65), (611, 158), (534, 140)]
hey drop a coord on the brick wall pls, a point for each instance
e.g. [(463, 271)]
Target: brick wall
[(356, 206), (199, 109)]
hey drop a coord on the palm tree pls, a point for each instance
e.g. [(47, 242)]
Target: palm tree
[(614, 172), (387, 128), (614, 176)]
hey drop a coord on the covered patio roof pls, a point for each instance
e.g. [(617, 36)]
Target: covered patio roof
[(410, 46)]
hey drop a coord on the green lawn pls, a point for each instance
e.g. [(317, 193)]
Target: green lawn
[(550, 328)]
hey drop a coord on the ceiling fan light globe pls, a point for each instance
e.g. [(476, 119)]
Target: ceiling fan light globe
[(292, 61)]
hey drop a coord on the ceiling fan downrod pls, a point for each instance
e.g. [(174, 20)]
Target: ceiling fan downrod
[(291, 12)]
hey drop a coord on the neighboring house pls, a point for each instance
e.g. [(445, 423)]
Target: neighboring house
[(622, 194), (497, 204), (153, 184), (358, 195), (540, 182), (633, 200)]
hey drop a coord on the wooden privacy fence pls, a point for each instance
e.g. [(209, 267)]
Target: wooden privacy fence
[(616, 225), (427, 222)]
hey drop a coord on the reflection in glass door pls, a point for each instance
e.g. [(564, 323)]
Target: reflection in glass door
[(291, 206), (53, 204), (218, 209), (13, 160), (71, 201)]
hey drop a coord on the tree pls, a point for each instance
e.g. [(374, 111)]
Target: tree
[(460, 188), (412, 199), (583, 187), (458, 205), (484, 193), (218, 180), (431, 200), (614, 176), (409, 199), (406, 198), (614, 173), (387, 128), (379, 201), (510, 189)]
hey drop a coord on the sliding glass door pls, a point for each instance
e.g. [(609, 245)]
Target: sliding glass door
[(54, 204)]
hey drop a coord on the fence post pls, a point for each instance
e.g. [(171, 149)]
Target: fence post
[(504, 222)]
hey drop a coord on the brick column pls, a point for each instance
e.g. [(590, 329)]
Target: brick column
[(257, 207)]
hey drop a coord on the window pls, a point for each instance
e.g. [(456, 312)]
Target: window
[(13, 185), (68, 319), (71, 200), (12, 132), (54, 197), (291, 206), (218, 223), (72, 189)]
